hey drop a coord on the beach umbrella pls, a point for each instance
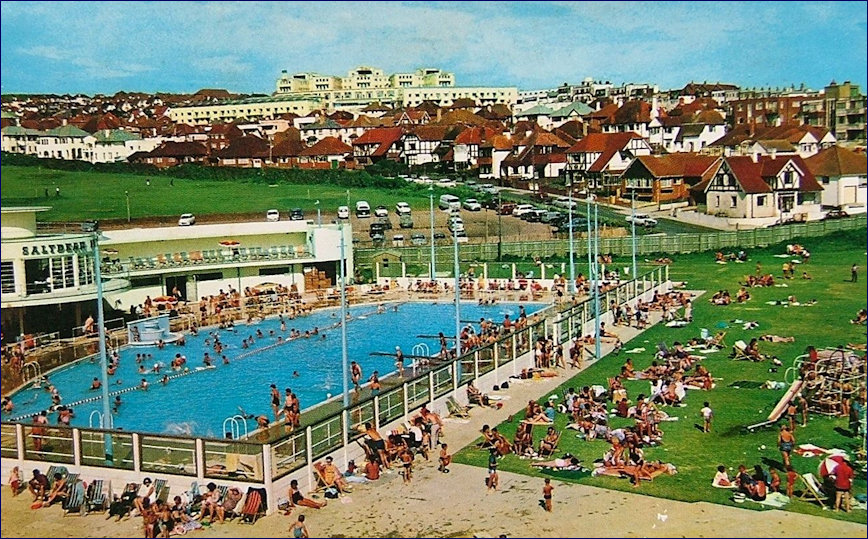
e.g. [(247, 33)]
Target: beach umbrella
[(829, 464)]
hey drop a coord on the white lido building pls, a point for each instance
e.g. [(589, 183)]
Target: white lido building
[(48, 279)]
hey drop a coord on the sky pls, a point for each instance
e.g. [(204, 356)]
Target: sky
[(104, 47)]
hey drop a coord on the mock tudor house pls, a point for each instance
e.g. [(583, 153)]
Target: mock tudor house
[(667, 178), (763, 189), (597, 161)]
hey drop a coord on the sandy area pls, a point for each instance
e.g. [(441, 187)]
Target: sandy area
[(459, 505)]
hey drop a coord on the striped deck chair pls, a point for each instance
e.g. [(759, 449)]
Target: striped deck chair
[(254, 506), (75, 499), (96, 497), (55, 470)]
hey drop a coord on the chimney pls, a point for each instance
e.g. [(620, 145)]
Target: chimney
[(773, 153), (754, 156), (439, 114), (63, 121)]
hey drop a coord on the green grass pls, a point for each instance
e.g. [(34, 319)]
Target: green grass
[(93, 195), (696, 455)]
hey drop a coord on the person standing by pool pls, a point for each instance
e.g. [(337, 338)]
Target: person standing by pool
[(547, 494), (356, 373), (375, 383), (299, 529), (399, 361), (275, 401), (786, 442)]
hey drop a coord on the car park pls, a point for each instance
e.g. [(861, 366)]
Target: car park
[(187, 219), (343, 212), (272, 216), (363, 209), (296, 215), (402, 208), (471, 204), (642, 219)]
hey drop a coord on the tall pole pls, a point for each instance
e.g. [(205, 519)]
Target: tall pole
[(596, 282), (103, 359), (127, 194), (633, 225), (344, 364), (457, 295), (318, 214), (431, 196), (572, 247), (499, 226), (590, 241)]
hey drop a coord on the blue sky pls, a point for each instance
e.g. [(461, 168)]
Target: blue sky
[(91, 47)]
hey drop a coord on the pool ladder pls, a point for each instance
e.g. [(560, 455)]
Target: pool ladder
[(234, 426), (99, 420), (419, 350)]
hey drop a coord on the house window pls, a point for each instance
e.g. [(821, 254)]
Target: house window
[(733, 201), (825, 180), (761, 200)]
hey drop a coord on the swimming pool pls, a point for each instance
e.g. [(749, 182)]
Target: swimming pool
[(197, 403)]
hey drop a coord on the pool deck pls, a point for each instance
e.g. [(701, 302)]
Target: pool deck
[(458, 504)]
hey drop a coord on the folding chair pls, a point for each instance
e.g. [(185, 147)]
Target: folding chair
[(813, 491), (718, 340), (254, 505), (96, 497), (547, 452), (74, 498), (739, 351), (455, 409)]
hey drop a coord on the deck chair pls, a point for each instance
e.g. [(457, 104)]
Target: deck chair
[(75, 498), (456, 410), (543, 452), (123, 504), (95, 500), (718, 340), (55, 470), (813, 491), (254, 506), (739, 351)]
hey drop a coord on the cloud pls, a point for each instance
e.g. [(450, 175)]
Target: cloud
[(42, 51)]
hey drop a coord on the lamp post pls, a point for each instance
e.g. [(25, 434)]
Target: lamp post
[(596, 282), (344, 365), (633, 224), (318, 214), (499, 226), (103, 359), (127, 194), (457, 298), (572, 247), (431, 196)]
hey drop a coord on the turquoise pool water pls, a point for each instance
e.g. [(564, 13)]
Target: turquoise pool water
[(199, 402)]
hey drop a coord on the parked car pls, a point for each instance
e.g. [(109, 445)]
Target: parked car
[(642, 219), (446, 182), (564, 202), (456, 224), (363, 209), (578, 224), (381, 211), (296, 215), (402, 208), (551, 216), (377, 228), (522, 209), (385, 222), (418, 239), (471, 204), (187, 219), (449, 202), (343, 212), (439, 236), (506, 208), (461, 236), (272, 216), (488, 188), (836, 213), (406, 220)]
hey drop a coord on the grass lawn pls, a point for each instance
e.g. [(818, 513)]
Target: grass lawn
[(86, 195), (695, 454)]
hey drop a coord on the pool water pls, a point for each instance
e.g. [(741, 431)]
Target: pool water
[(199, 402)]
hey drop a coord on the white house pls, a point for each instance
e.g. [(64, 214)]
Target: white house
[(763, 190), (842, 173)]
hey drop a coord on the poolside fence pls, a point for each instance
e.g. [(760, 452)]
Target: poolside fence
[(272, 461)]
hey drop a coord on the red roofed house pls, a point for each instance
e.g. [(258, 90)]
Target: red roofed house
[(466, 149), (541, 155), (171, 153), (327, 153), (597, 161), (377, 144), (667, 178), (842, 173), (763, 190), (248, 151), (420, 144)]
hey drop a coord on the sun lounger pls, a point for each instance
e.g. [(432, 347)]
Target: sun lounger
[(739, 351), (255, 505), (813, 491), (96, 497), (75, 498)]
